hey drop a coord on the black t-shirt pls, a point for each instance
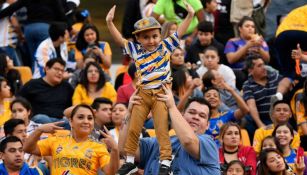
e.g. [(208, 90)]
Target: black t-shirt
[(196, 48), (46, 99)]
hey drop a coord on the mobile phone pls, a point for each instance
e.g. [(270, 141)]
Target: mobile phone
[(92, 46)]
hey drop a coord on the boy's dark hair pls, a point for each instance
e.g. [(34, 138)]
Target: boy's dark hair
[(10, 125), (249, 63), (205, 26), (7, 140), (280, 102), (200, 101), (100, 100), (57, 30), (51, 62), (204, 2), (132, 70), (244, 19), (212, 48)]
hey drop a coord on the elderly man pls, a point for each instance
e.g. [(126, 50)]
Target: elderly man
[(193, 151)]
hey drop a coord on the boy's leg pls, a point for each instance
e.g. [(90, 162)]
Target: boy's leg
[(160, 117), (138, 117)]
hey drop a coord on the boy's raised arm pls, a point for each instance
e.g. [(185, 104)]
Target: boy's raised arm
[(117, 36), (186, 22)]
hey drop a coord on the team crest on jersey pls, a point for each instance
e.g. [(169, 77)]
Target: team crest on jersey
[(59, 149), (88, 153)]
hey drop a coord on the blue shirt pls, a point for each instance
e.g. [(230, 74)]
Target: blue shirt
[(216, 124), (25, 170), (183, 163)]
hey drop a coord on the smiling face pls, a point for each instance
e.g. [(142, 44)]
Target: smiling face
[(149, 39), (197, 116), (55, 73), (275, 162), (213, 97), (281, 113), (82, 123), (283, 135)]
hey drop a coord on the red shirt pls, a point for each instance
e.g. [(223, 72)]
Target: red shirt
[(124, 93)]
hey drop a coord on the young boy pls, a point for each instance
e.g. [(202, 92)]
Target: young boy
[(152, 59)]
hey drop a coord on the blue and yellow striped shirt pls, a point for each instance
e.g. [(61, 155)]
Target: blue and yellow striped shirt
[(153, 68)]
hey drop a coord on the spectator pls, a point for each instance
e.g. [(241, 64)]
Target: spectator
[(211, 79), (39, 16), (103, 115), (12, 155), (205, 38), (284, 135), (16, 127), (175, 11), (93, 84), (50, 95), (218, 118), (82, 17), (119, 113), (168, 28), (271, 161), (210, 6), (124, 92), (22, 109), (88, 39), (235, 167), (10, 32), (5, 95), (132, 14), (281, 114), (184, 87), (194, 152), (237, 49), (90, 155), (268, 142), (210, 60), (231, 149), (52, 47), (12, 75)]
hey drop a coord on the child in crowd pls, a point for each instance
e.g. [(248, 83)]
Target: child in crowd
[(268, 142), (152, 58), (235, 167)]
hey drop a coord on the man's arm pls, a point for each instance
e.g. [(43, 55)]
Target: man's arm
[(184, 132), (251, 103), (186, 22), (117, 36)]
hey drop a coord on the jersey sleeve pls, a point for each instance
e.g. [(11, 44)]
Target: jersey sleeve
[(171, 42), (130, 49), (107, 49), (45, 146)]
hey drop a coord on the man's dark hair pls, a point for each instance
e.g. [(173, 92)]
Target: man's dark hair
[(249, 63), (51, 62), (280, 102), (7, 140), (132, 70), (100, 100), (11, 124), (57, 30), (244, 19), (200, 101), (205, 2), (205, 26)]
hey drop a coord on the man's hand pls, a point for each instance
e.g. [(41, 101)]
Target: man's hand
[(110, 15), (134, 100), (50, 127), (108, 139), (168, 97), (297, 53)]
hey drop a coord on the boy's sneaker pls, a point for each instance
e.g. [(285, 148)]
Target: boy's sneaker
[(127, 169), (164, 170)]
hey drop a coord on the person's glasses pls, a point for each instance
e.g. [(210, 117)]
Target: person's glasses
[(58, 69)]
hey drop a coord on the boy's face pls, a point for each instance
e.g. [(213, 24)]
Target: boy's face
[(205, 38), (149, 39), (212, 6), (20, 131), (104, 112)]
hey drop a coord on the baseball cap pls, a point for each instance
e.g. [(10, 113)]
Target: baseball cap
[(146, 24)]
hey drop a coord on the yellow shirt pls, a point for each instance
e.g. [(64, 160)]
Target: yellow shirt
[(5, 114), (81, 96), (263, 132), (295, 20), (298, 109), (70, 157)]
